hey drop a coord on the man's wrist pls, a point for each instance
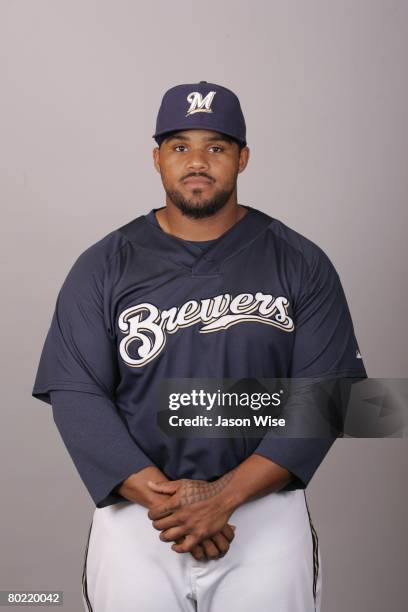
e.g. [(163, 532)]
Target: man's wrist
[(255, 476), (134, 488), (231, 496)]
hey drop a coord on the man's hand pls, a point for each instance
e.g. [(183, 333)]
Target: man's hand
[(195, 509), (135, 489), (215, 547), (198, 509)]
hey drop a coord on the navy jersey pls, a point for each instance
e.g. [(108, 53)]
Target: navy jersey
[(141, 305)]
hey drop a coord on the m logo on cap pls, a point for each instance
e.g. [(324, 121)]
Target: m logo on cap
[(198, 104)]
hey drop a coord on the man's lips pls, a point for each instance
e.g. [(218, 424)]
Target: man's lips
[(197, 180)]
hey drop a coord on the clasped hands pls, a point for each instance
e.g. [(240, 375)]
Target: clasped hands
[(194, 516)]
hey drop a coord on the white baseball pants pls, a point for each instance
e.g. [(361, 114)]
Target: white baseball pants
[(273, 564)]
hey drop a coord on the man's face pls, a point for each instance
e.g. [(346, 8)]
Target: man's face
[(199, 170)]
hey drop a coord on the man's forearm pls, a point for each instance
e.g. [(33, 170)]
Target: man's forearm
[(254, 477), (135, 488)]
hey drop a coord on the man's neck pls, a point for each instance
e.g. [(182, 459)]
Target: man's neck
[(172, 221)]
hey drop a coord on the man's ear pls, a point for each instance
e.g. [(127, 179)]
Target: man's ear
[(243, 158), (156, 158)]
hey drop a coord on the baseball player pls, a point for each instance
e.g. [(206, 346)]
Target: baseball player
[(200, 287)]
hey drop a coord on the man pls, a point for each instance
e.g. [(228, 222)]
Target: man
[(200, 288)]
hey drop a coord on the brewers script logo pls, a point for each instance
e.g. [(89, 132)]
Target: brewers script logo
[(198, 104), (146, 325)]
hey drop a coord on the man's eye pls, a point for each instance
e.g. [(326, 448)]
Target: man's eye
[(177, 147), (217, 147)]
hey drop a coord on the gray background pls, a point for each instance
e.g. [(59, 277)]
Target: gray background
[(323, 85)]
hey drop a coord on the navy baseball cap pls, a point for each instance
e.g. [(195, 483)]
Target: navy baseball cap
[(200, 106)]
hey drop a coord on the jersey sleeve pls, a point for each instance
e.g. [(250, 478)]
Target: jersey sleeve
[(78, 375), (325, 346), (301, 456), (98, 442), (78, 353), (325, 343)]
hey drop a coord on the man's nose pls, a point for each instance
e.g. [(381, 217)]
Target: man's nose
[(197, 160)]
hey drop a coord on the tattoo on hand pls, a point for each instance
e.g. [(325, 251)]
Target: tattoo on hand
[(195, 491)]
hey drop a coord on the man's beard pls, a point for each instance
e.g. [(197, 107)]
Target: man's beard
[(199, 209)]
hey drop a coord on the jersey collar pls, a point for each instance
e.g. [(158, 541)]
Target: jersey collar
[(198, 262)]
